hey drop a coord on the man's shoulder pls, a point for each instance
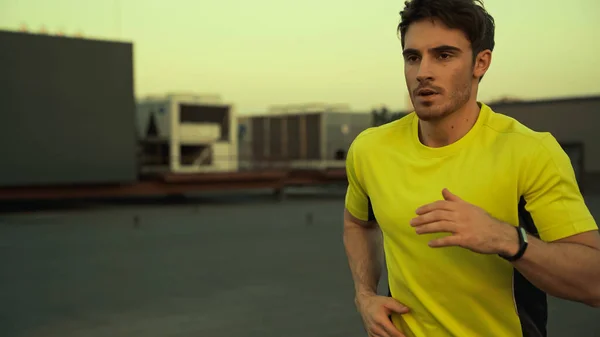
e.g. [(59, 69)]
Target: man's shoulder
[(383, 134), (523, 141), (510, 129)]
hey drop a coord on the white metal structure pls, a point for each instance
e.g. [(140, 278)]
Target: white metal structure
[(308, 108), (186, 133)]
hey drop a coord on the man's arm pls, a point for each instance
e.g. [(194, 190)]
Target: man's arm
[(568, 268), (361, 231), (565, 260), (362, 242)]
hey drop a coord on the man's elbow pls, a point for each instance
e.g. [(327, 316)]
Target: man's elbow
[(594, 299), (595, 303)]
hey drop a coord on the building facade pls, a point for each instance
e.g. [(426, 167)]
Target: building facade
[(575, 122)]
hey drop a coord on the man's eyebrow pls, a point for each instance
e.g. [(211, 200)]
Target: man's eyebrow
[(438, 49), (446, 48), (410, 51)]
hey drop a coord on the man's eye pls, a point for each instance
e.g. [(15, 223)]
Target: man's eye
[(445, 56), (412, 58)]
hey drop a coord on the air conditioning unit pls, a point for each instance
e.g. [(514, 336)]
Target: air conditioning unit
[(303, 136), (185, 133)]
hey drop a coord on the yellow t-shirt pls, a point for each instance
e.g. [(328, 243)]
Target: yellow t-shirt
[(517, 175)]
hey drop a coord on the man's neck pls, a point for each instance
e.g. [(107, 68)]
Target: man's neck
[(451, 128)]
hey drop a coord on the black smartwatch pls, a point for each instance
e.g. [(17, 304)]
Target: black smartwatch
[(522, 245)]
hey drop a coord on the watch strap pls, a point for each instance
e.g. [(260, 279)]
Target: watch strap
[(523, 242)]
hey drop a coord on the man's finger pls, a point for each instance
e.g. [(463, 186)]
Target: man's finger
[(440, 204), (433, 216), (437, 227), (390, 329), (387, 324), (396, 306), (450, 196), (377, 331), (448, 241)]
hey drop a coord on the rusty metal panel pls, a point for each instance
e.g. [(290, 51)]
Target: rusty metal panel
[(258, 140), (284, 139), (313, 136), (302, 139), (293, 136), (275, 138)]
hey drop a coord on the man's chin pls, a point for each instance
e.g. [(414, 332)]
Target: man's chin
[(431, 113)]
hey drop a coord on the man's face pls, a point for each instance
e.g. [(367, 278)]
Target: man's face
[(438, 66)]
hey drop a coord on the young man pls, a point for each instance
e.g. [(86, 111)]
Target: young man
[(481, 217)]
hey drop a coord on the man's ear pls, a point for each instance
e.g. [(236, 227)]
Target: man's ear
[(482, 63)]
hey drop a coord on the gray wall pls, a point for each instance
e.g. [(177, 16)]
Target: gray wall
[(569, 120), (335, 140), (67, 111)]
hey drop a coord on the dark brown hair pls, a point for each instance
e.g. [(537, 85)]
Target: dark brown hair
[(469, 16)]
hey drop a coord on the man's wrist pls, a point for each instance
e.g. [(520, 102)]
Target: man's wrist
[(364, 293), (509, 243)]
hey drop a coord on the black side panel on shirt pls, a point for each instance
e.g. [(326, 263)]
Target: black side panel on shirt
[(531, 302), (370, 208), (371, 217)]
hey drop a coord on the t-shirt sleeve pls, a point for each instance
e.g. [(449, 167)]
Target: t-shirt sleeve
[(552, 195), (357, 201)]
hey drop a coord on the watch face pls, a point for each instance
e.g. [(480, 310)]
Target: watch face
[(524, 235)]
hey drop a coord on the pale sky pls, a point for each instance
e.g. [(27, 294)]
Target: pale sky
[(264, 52)]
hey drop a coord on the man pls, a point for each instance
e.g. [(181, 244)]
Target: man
[(480, 216)]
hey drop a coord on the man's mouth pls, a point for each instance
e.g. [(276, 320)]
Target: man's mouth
[(426, 92)]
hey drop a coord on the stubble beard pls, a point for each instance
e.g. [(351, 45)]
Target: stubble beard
[(433, 112)]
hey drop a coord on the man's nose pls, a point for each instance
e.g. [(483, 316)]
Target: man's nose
[(425, 72)]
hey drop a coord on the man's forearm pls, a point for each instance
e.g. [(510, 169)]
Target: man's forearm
[(363, 249), (566, 270)]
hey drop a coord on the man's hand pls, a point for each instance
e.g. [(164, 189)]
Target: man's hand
[(375, 311), (470, 226)]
